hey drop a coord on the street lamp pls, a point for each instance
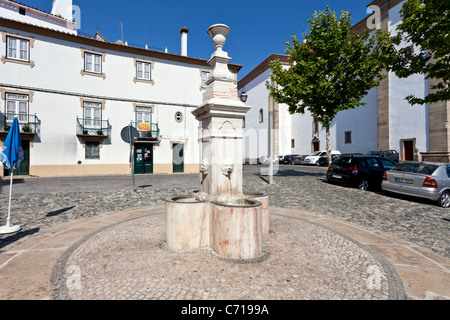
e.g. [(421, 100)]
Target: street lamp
[(244, 96)]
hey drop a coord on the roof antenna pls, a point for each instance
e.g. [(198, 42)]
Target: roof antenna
[(121, 29)]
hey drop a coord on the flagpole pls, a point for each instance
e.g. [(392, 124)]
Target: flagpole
[(8, 228), (11, 159), (8, 221)]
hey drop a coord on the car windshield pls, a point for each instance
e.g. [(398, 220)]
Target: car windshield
[(316, 153), (421, 168), (390, 153)]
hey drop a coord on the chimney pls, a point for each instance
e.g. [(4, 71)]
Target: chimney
[(184, 31), (63, 8)]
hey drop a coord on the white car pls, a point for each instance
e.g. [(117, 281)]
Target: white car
[(314, 158)]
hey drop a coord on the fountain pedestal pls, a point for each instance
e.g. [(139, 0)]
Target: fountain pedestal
[(230, 222)]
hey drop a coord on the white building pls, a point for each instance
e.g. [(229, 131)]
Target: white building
[(386, 122), (74, 94)]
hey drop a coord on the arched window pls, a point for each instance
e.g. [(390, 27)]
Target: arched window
[(261, 115)]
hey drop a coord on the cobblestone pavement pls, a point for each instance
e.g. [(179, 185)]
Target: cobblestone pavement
[(41, 203), (129, 261), (361, 236)]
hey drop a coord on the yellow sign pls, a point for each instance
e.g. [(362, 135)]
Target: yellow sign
[(144, 126)]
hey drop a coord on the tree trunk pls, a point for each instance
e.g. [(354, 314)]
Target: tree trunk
[(328, 144)]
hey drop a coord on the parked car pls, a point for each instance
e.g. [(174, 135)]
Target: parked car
[(263, 160), (299, 159), (388, 154), (289, 158), (420, 179), (364, 172), (314, 158), (323, 160)]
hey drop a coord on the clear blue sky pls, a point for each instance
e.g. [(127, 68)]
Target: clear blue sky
[(258, 27)]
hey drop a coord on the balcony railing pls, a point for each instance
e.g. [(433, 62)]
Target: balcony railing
[(148, 131), (28, 123), (93, 127)]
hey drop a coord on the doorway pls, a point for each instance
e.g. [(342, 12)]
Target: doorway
[(315, 146), (408, 150), (178, 157), (143, 158)]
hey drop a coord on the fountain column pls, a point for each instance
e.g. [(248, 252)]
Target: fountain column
[(236, 222), (221, 214)]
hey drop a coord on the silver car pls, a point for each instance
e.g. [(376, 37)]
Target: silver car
[(420, 179)]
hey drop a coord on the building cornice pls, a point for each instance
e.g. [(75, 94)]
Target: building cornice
[(262, 67), (38, 12), (42, 31)]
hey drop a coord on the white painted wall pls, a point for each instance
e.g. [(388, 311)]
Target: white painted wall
[(362, 122), (256, 133), (406, 121), (57, 67)]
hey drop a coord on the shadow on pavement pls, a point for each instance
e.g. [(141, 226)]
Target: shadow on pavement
[(58, 212), (290, 173), (16, 236)]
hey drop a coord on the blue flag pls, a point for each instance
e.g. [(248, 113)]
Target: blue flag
[(11, 153)]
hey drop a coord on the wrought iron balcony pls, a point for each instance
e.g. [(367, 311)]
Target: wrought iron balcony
[(28, 123), (93, 127), (146, 131)]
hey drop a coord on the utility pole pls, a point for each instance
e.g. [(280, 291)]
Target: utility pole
[(270, 140)]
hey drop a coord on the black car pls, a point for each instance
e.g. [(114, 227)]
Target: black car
[(364, 172), (289, 158), (323, 160)]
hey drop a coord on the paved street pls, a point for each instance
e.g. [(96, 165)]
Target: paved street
[(41, 203), (114, 237)]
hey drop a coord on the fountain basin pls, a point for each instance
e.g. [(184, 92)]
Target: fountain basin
[(236, 229), (264, 199), (188, 224)]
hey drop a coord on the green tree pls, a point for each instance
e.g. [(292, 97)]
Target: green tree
[(331, 70), (425, 24)]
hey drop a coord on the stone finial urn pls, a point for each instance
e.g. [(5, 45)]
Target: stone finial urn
[(218, 33)]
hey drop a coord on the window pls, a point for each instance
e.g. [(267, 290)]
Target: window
[(143, 115), (316, 126), (292, 143), (92, 62), (92, 115), (243, 122), (18, 49), (92, 150), (205, 75), (143, 70), (348, 137), (372, 163), (387, 164), (261, 115), (16, 106)]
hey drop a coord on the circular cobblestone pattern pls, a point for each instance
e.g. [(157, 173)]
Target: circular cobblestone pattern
[(304, 261)]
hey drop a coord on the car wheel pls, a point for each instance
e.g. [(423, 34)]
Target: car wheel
[(444, 200), (363, 184)]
